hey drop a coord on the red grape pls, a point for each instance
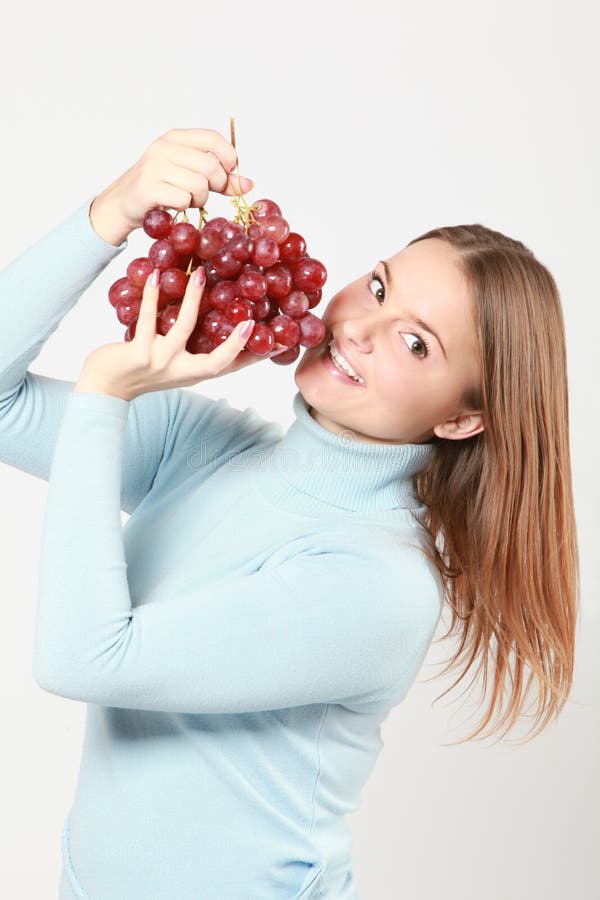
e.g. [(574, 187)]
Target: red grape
[(294, 305), (256, 270), (308, 274), (293, 248), (225, 264), (264, 208), (273, 310), (163, 300), (209, 242), (287, 356), (211, 275), (162, 255), (167, 318), (128, 311), (238, 311), (199, 342), (157, 223), (279, 280), (222, 333), (252, 285), (213, 321), (261, 341), (314, 298), (184, 237), (266, 252), (286, 330), (138, 271), (231, 230), (249, 266), (312, 330), (130, 331), (173, 283), (217, 223), (261, 308), (275, 227), (223, 293), (121, 290), (241, 246)]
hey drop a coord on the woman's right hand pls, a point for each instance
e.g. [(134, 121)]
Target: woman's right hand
[(176, 171)]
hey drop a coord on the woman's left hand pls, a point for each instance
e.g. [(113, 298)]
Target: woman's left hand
[(156, 362)]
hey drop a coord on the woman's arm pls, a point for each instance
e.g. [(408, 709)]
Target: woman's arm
[(338, 626), (40, 286), (37, 290)]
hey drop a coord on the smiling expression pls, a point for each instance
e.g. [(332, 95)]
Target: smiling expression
[(406, 329)]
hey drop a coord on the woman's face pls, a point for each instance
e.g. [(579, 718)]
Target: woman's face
[(413, 381)]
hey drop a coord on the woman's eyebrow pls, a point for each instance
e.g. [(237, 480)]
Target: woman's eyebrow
[(420, 322)]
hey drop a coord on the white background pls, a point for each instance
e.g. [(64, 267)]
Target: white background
[(369, 123)]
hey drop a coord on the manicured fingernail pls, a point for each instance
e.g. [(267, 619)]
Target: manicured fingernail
[(246, 329), (241, 183), (199, 275), (155, 277)]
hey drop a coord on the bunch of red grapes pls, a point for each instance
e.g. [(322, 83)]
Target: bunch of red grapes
[(256, 268)]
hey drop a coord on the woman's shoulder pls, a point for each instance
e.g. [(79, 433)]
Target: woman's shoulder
[(388, 555)]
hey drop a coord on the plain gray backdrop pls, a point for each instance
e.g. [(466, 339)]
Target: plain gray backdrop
[(369, 123)]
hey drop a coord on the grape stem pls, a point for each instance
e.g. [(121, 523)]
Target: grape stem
[(243, 210)]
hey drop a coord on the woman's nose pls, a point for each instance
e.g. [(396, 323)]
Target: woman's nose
[(358, 332)]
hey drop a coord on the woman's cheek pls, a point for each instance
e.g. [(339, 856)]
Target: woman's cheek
[(340, 306)]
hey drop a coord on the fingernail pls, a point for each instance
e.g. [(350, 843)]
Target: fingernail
[(241, 182), (155, 277), (199, 275), (246, 329), (277, 351)]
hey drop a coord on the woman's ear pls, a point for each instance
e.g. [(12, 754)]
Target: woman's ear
[(462, 426)]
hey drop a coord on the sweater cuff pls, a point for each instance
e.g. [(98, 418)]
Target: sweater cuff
[(89, 237), (99, 403)]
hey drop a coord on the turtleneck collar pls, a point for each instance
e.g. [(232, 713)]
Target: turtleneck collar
[(311, 466)]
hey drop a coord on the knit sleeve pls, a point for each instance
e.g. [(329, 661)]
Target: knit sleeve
[(41, 285), (37, 289), (320, 627)]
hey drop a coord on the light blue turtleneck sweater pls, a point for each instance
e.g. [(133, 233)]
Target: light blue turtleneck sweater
[(238, 642)]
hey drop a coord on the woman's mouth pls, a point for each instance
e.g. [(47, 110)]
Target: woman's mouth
[(338, 367)]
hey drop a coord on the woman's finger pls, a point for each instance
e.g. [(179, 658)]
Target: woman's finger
[(237, 184), (187, 317), (194, 185), (223, 355), (206, 139), (199, 162), (167, 196), (198, 185), (205, 158), (145, 329)]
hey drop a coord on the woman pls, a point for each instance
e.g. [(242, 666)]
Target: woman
[(272, 596)]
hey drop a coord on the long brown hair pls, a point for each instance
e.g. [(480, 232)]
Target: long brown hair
[(499, 505)]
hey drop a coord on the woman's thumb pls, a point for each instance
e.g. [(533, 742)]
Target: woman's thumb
[(237, 184)]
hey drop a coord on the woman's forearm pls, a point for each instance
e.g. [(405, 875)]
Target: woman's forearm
[(39, 287)]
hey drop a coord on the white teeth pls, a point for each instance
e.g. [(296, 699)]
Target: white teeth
[(342, 364)]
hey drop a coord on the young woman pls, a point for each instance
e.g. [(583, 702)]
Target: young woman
[(273, 595)]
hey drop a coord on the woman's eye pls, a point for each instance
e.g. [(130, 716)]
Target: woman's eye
[(422, 352), (380, 293), (413, 339)]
